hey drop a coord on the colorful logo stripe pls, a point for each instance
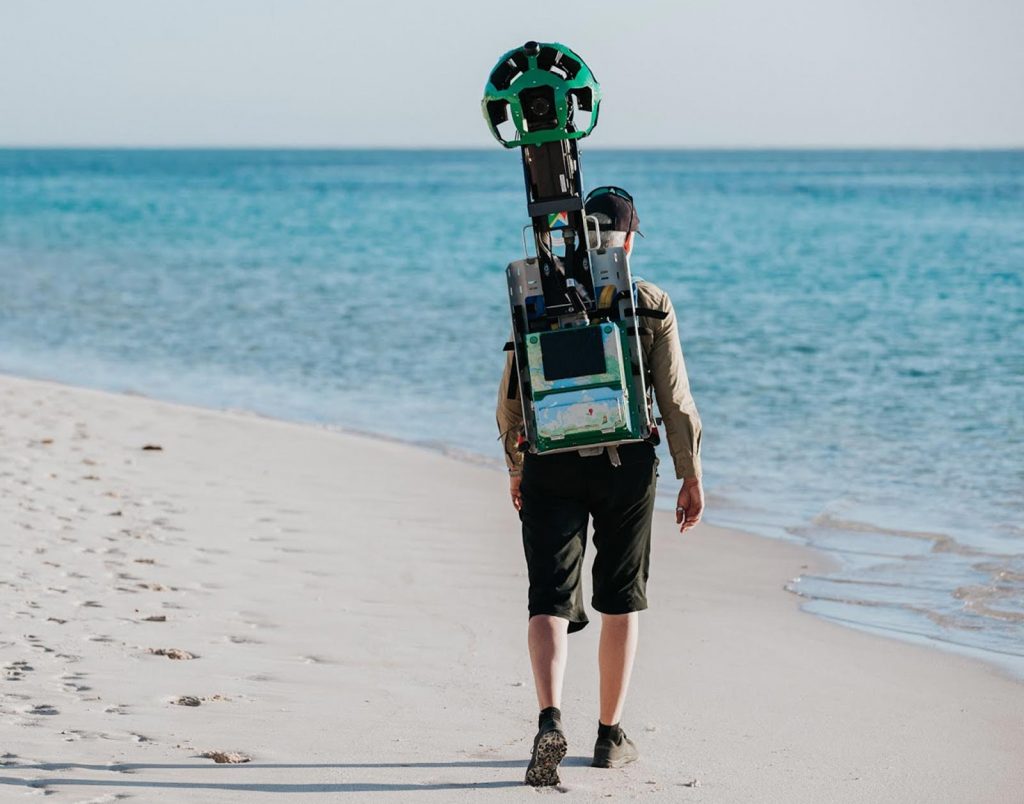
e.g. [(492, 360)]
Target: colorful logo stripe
[(560, 220)]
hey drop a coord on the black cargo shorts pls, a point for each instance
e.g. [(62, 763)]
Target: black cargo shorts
[(560, 493)]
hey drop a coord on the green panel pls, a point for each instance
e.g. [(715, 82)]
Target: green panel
[(583, 411)]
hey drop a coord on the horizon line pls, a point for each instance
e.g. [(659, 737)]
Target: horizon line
[(327, 147)]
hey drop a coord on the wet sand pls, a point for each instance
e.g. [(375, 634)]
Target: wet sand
[(210, 606)]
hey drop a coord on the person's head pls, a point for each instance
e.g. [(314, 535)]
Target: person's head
[(616, 214)]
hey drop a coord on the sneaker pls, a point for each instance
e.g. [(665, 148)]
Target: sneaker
[(614, 753), (549, 747)]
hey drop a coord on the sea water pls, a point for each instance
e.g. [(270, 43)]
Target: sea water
[(852, 325)]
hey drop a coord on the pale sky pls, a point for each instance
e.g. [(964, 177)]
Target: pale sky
[(734, 73)]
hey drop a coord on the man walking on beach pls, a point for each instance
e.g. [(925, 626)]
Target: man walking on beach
[(556, 495)]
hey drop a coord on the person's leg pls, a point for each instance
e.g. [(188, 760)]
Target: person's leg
[(622, 506), (615, 655), (554, 518), (548, 637)]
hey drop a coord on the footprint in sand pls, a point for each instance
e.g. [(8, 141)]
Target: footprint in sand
[(243, 640), (36, 642), (153, 586), (316, 660), (15, 671), (72, 682), (217, 551), (226, 757), (73, 735), (42, 709), (171, 653)]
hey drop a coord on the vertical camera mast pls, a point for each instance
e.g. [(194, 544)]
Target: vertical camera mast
[(578, 356)]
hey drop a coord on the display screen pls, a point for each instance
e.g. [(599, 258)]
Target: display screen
[(572, 353)]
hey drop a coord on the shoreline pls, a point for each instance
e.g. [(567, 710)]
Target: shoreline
[(336, 598), (827, 562)]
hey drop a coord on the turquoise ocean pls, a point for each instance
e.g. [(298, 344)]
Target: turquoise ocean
[(853, 325)]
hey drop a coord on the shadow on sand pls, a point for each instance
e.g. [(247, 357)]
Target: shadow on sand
[(264, 787)]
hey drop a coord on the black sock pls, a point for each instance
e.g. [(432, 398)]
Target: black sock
[(613, 731), (549, 713)]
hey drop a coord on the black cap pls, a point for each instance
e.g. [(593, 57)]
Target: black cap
[(613, 209)]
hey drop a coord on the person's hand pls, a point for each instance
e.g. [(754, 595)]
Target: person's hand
[(514, 481), (689, 504)]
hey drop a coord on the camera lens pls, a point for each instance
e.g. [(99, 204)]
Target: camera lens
[(539, 107)]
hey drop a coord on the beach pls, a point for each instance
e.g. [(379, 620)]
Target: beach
[(347, 616), (833, 306)]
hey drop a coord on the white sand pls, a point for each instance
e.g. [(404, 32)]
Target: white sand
[(357, 612)]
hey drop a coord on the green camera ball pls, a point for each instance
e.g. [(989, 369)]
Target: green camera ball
[(541, 87)]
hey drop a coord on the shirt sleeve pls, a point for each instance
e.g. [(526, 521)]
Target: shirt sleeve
[(672, 390), (509, 417)]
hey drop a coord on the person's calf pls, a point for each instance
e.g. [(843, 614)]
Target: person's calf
[(548, 640), (616, 651)]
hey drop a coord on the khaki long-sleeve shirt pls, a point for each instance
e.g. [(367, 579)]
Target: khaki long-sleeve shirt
[(664, 357)]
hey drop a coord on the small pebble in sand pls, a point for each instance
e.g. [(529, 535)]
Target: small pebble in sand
[(225, 756), (172, 653), (155, 618), (152, 448), (57, 620), (691, 783), (188, 700)]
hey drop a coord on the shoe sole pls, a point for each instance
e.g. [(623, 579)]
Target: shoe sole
[(550, 750)]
